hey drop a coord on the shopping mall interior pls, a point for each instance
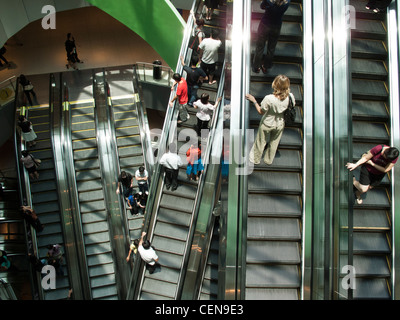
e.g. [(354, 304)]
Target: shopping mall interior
[(292, 229)]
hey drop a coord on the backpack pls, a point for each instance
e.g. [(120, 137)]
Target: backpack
[(290, 113)]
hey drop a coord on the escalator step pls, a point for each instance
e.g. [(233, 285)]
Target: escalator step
[(96, 238), (274, 229), (371, 243), (95, 227), (169, 245), (43, 186), (84, 134), (368, 49), (368, 69), (107, 280), (274, 205), (172, 231), (136, 160), (176, 203), (271, 294), (88, 175), (91, 195), (98, 270), (369, 90), (85, 154), (370, 110), (166, 275), (159, 287), (169, 260), (268, 181), (105, 248), (285, 159), (84, 143), (368, 266), (375, 199), (130, 151), (369, 29), (371, 289), (149, 296), (105, 292), (371, 219), (99, 259), (127, 131), (209, 287), (46, 207), (44, 197), (94, 216), (174, 217), (370, 131), (272, 252), (272, 276), (97, 205)]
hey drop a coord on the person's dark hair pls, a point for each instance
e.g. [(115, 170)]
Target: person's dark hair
[(21, 118), (141, 169), (214, 33), (392, 153), (24, 153), (177, 77), (136, 242), (68, 35), (193, 61), (146, 244), (123, 174), (200, 22), (204, 98), (172, 147)]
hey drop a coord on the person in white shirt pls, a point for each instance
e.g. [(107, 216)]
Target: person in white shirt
[(171, 162), (206, 110), (209, 54), (148, 254), (141, 176)]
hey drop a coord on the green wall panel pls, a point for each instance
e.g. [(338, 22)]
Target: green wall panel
[(156, 21)]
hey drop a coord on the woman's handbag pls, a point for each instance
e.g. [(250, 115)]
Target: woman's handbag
[(290, 113)]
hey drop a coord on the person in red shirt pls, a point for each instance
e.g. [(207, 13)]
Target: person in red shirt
[(374, 165), (181, 95)]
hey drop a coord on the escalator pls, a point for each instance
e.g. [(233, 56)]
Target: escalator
[(45, 198), (127, 128), (91, 195), (372, 252), (275, 192), (176, 210)]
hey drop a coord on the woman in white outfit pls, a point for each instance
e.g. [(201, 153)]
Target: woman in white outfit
[(272, 123), (206, 110), (27, 132)]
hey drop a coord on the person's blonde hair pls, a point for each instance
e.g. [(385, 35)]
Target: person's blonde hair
[(281, 86)]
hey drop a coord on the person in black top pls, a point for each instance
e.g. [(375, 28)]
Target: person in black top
[(28, 89), (72, 55), (125, 180), (269, 31), (194, 78)]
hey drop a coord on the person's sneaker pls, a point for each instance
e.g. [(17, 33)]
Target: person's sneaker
[(256, 70), (188, 117)]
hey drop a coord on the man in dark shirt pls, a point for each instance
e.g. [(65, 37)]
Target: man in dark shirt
[(269, 31), (125, 180), (194, 77)]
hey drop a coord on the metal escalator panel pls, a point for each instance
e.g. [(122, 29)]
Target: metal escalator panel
[(91, 197), (274, 223), (372, 231), (45, 199)]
